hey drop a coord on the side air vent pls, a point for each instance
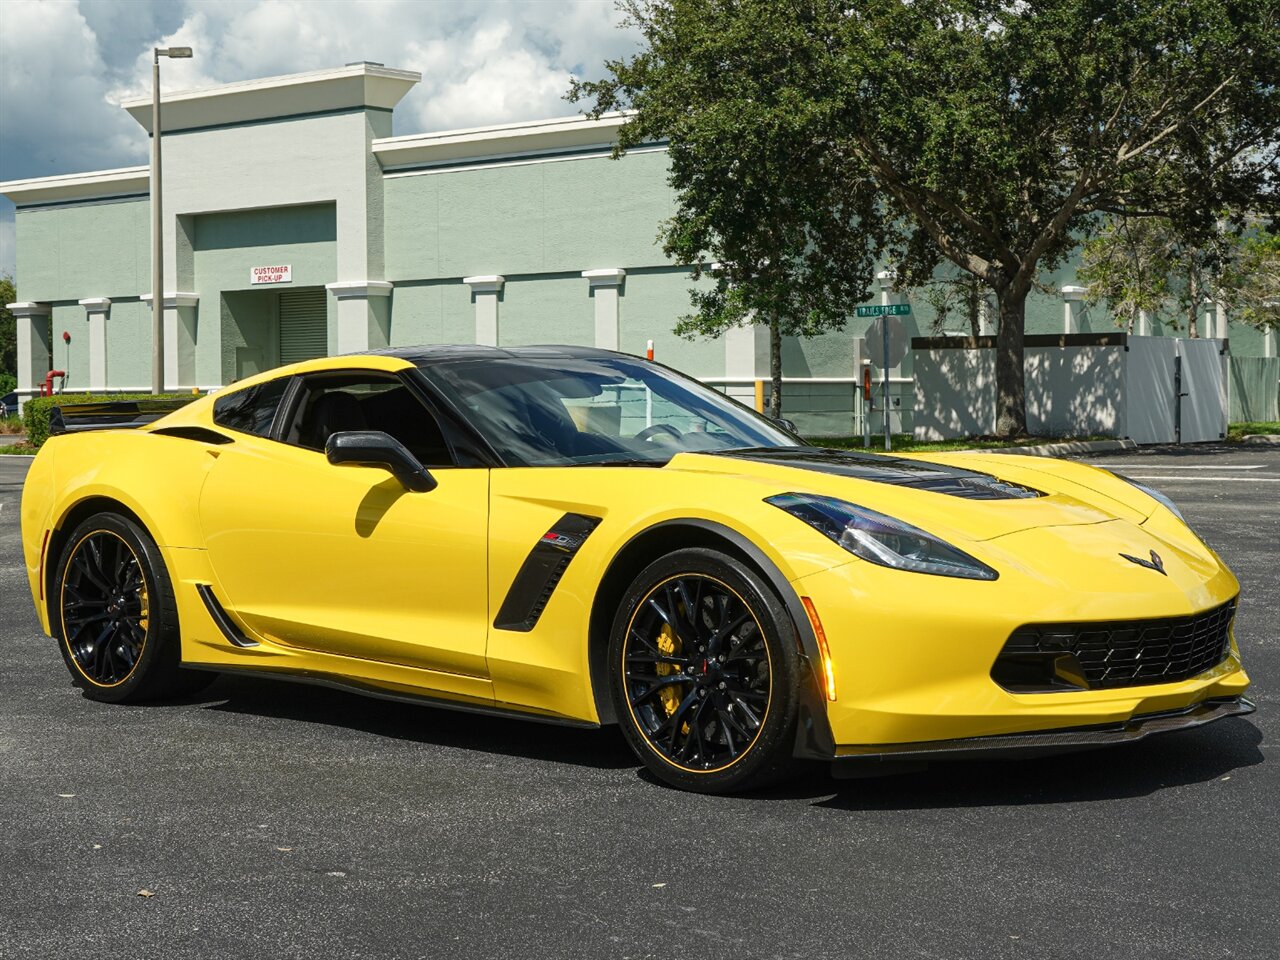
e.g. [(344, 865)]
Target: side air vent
[(201, 434), (542, 571), (220, 616)]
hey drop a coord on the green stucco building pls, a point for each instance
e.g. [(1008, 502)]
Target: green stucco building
[(296, 225)]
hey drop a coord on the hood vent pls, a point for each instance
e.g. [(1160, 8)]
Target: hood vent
[(897, 471)]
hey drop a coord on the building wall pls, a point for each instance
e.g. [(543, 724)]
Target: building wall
[(73, 251), (308, 191)]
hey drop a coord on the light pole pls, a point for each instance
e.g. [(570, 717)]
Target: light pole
[(157, 223)]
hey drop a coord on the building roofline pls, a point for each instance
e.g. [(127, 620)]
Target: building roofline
[(78, 186), (503, 139), (316, 91)]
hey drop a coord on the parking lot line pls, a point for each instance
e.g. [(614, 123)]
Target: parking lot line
[(1167, 477), (1188, 466)]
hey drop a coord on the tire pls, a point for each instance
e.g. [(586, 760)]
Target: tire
[(708, 703), (113, 613)]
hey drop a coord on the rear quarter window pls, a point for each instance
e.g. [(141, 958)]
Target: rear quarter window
[(252, 409)]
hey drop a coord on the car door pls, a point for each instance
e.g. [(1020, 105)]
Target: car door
[(341, 559)]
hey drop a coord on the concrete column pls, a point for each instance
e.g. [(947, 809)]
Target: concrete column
[(885, 278), (1269, 342), (1220, 321), (96, 310), (605, 287), (363, 315), (35, 348), (1144, 324), (985, 327), (179, 338), (485, 290), (746, 357), (1071, 300)]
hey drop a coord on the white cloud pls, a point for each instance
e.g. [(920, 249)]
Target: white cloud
[(482, 62), (67, 65)]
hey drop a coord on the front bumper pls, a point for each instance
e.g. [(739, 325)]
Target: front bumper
[(1041, 743), (913, 654)]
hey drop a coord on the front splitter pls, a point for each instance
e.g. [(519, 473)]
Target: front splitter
[(864, 760)]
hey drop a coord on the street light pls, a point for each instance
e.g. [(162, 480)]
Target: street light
[(157, 222)]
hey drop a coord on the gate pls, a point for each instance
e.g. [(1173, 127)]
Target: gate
[(1200, 394)]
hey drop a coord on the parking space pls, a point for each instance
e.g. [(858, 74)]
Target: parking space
[(267, 819)]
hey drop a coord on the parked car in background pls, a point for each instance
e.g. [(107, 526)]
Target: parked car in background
[(9, 404)]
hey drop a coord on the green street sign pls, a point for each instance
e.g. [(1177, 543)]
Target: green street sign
[(888, 310)]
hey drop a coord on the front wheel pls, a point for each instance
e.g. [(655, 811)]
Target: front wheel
[(705, 673), (115, 617)]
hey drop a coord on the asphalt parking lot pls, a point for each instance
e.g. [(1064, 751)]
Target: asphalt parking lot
[(273, 820)]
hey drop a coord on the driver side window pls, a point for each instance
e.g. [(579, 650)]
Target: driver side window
[(339, 402)]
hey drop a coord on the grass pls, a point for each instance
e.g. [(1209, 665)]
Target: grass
[(12, 425), (18, 449), (1238, 431)]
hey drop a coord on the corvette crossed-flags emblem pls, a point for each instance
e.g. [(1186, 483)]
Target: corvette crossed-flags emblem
[(1155, 563)]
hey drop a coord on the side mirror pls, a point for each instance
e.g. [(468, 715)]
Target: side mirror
[(373, 448), (785, 424)]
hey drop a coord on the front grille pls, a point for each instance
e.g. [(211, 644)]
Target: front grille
[(1122, 653)]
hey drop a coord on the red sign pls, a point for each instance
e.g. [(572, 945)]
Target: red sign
[(281, 274)]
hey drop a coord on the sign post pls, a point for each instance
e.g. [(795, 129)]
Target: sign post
[(892, 337), (866, 406)]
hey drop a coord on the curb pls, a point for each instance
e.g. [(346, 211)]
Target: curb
[(1067, 448), (1262, 439)]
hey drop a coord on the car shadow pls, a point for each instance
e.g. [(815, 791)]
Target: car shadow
[(1203, 756), (602, 748)]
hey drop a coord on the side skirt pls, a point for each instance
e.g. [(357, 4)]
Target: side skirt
[(370, 690)]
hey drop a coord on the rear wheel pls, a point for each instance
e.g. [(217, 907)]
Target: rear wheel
[(115, 617), (704, 673)]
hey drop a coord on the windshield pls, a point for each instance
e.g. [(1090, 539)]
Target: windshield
[(561, 411)]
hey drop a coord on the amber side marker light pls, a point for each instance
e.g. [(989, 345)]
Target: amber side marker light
[(828, 671), (44, 547)]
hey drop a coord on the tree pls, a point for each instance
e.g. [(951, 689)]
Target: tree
[(988, 134), (751, 180), (1129, 264), (962, 294), (1253, 280), (8, 330), (1143, 264)]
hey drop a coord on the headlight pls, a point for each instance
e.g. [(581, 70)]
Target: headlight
[(1155, 495), (881, 539)]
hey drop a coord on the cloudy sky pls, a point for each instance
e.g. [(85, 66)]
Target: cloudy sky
[(65, 65)]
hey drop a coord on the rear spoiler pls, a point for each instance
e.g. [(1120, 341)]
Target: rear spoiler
[(110, 414)]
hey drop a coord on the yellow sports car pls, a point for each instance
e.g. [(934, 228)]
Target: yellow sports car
[(583, 537)]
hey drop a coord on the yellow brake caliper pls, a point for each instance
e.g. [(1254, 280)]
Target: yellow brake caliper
[(669, 696)]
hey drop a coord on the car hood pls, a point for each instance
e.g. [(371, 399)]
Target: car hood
[(971, 496)]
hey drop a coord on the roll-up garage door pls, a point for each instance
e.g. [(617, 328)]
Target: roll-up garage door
[(304, 329)]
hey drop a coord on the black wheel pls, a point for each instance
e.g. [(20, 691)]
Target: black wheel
[(705, 673), (113, 612)]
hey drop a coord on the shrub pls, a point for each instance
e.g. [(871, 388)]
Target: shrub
[(36, 411)]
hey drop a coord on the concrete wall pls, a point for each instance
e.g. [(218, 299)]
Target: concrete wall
[(1071, 391), (954, 393), (1076, 391), (1116, 386)]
